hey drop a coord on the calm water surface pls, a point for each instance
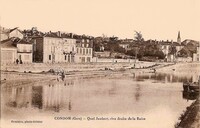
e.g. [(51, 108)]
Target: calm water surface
[(156, 97)]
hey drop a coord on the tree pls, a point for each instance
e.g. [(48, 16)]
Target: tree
[(138, 36)]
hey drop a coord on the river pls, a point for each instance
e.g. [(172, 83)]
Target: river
[(144, 100)]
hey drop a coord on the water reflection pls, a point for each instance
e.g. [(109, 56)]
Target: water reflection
[(57, 95), (20, 97), (137, 93), (53, 96), (101, 95), (190, 95), (37, 96), (167, 78)]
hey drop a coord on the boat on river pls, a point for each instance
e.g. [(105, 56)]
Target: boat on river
[(191, 87)]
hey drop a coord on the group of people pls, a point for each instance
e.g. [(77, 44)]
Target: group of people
[(62, 76), (19, 61)]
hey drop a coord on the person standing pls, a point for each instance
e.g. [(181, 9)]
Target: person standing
[(21, 62), (17, 61)]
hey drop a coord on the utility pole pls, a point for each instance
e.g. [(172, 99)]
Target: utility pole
[(136, 52)]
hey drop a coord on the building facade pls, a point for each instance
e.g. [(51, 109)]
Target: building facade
[(196, 56), (9, 33), (15, 33), (24, 51), (49, 49), (126, 46), (8, 52), (84, 51), (3, 33), (15, 50)]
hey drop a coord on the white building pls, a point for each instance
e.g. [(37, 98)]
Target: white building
[(9, 33), (126, 46), (54, 49), (8, 52), (15, 48), (24, 51)]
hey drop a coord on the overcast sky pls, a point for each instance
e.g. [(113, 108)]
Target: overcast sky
[(156, 19)]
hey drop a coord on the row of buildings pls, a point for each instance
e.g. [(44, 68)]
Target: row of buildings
[(17, 47), (55, 47), (173, 50)]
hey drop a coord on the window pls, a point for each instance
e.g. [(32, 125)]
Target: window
[(68, 58), (90, 51), (80, 50), (88, 59), (77, 50), (65, 57), (49, 57), (86, 51), (83, 51), (83, 59)]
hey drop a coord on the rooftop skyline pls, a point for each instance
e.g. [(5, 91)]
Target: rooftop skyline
[(156, 19)]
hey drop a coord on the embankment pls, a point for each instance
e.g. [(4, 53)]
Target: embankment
[(181, 68), (191, 117), (41, 67)]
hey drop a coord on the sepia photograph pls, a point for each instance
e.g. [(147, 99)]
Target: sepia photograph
[(99, 63)]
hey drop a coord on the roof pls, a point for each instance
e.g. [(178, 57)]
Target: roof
[(13, 29), (176, 44), (165, 43), (54, 35), (23, 42), (12, 42), (7, 31), (8, 43)]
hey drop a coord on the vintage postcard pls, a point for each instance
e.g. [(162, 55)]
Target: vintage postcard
[(100, 63)]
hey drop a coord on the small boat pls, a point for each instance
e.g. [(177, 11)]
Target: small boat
[(191, 87), (194, 87)]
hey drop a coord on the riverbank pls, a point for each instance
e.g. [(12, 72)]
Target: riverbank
[(181, 68), (191, 117), (10, 78), (42, 67), (38, 71)]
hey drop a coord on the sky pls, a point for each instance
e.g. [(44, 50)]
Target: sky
[(155, 19)]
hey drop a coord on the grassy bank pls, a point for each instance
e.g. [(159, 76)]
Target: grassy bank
[(191, 117)]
